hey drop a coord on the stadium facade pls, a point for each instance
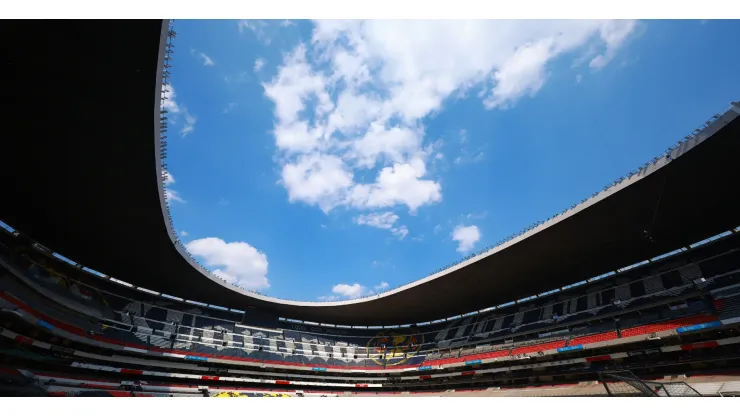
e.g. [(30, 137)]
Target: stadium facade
[(99, 297)]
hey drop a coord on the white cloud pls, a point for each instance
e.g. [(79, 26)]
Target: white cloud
[(317, 179), (613, 34), (236, 262), (183, 233), (258, 64), (171, 195), (246, 24), (477, 215), (466, 237), (169, 102), (351, 104), (385, 221), (168, 179), (524, 73), (354, 291), (400, 232), (175, 110), (348, 291), (258, 27), (437, 228), (396, 144), (207, 61), (579, 78), (295, 83), (398, 184), (189, 126), (467, 157)]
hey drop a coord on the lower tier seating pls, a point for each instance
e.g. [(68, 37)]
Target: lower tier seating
[(665, 326), (590, 339), (539, 347)]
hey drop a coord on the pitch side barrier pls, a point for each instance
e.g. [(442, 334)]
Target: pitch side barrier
[(306, 341), (59, 385), (66, 383), (705, 385)]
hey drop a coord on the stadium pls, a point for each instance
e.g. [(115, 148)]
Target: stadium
[(635, 291)]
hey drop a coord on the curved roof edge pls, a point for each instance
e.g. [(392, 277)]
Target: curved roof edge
[(687, 143)]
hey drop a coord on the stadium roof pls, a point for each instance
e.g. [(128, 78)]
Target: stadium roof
[(80, 163)]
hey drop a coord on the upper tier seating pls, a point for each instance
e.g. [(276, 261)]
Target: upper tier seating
[(728, 307)]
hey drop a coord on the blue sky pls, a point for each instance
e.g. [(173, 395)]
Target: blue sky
[(331, 160)]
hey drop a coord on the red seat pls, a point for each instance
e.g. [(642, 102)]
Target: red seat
[(494, 354), (481, 356), (539, 347), (665, 326), (590, 339)]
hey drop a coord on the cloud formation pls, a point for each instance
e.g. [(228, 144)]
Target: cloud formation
[(385, 221), (236, 262), (259, 63), (189, 126), (168, 179), (466, 237), (260, 29), (354, 291), (207, 61), (171, 195), (169, 103), (350, 105), (175, 111)]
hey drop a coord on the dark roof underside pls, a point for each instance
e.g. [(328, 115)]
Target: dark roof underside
[(80, 177)]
